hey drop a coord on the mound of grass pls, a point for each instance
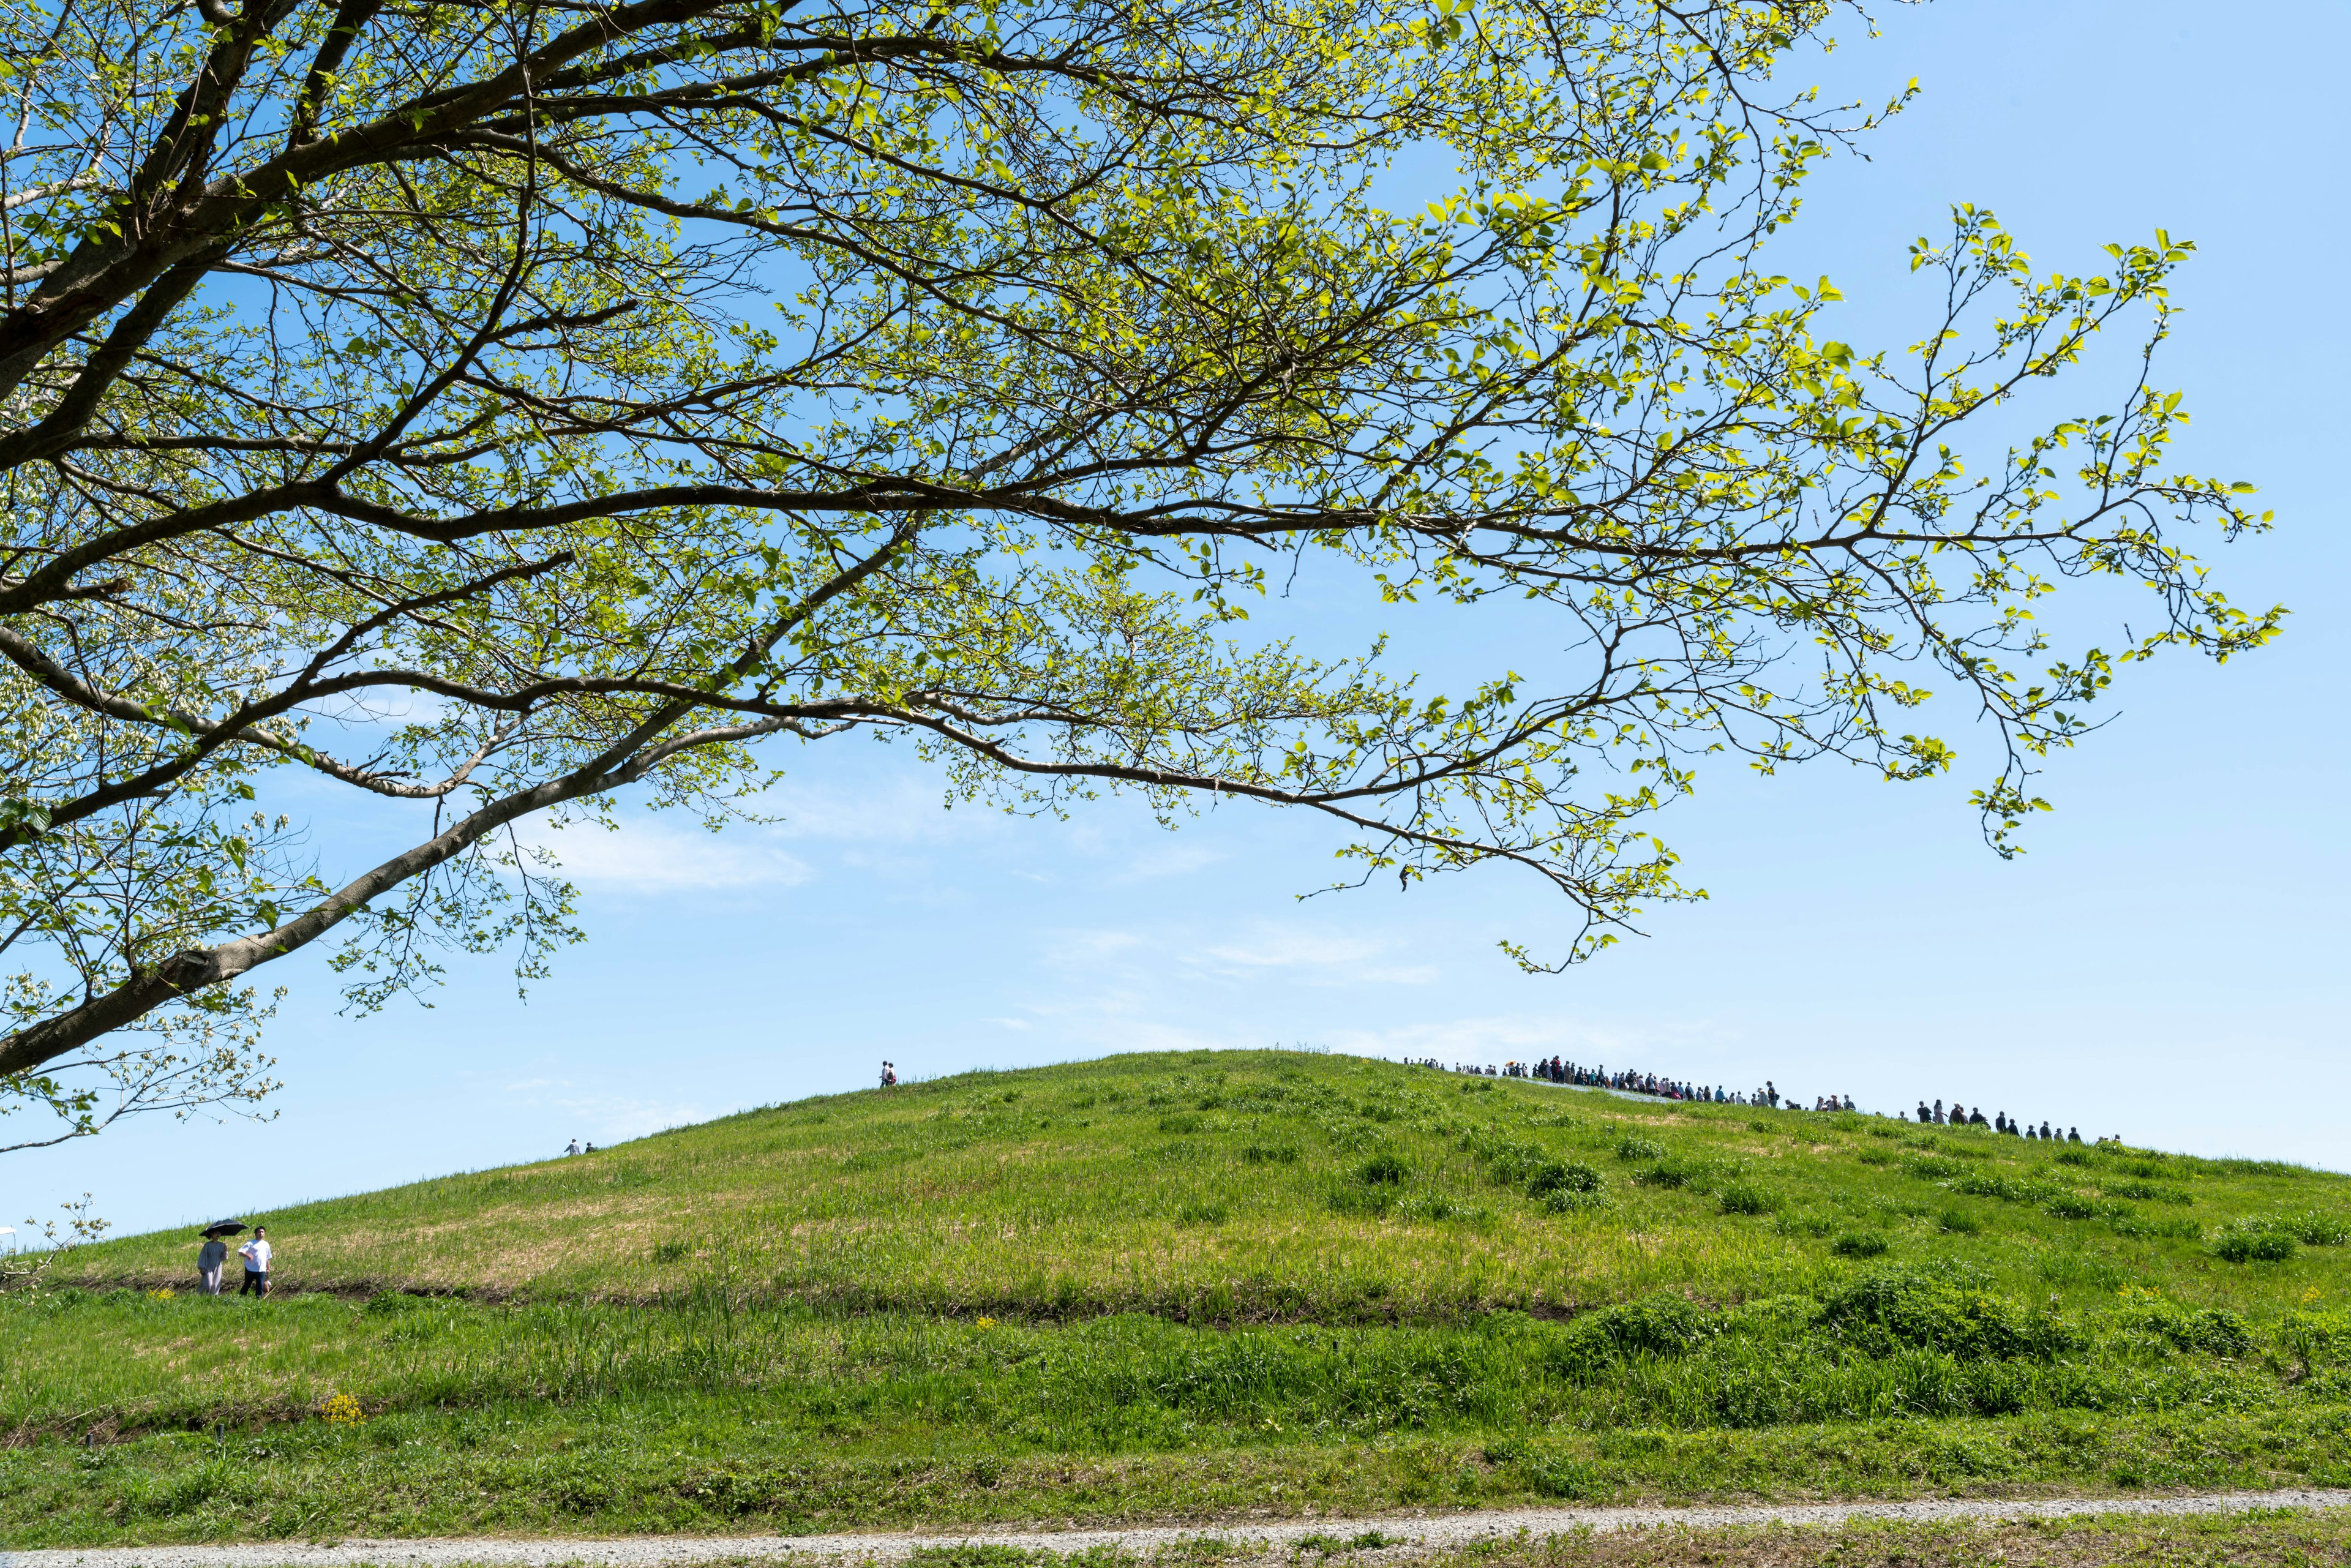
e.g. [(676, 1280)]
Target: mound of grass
[(1176, 1285)]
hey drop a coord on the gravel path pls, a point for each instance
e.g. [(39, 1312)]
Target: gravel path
[(1441, 1531)]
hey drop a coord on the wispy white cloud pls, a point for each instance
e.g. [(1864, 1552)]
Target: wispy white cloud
[(896, 811), (1314, 957), (602, 1117), (652, 856), (1090, 948)]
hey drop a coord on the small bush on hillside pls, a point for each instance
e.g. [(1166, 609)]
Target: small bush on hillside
[(671, 1252), (2316, 1336), (1860, 1244), (1383, 1170), (1186, 1123), (2073, 1157), (2313, 1229), (1803, 1222), (2140, 1229), (1746, 1197), (1559, 1185), (1635, 1148), (1663, 1325), (2254, 1242), (1668, 1174), (2213, 1331), (1943, 1309), (1958, 1222), (1562, 1175)]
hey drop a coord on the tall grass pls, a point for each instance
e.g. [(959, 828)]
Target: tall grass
[(1234, 1188)]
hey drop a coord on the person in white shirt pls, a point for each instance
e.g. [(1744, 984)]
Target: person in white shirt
[(255, 1254), (209, 1259), (574, 1148)]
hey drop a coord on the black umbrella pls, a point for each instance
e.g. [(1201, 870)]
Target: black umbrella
[(226, 1227)]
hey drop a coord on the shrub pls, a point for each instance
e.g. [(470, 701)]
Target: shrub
[(1563, 1175), (1958, 1222), (1859, 1244), (1664, 1174), (2073, 1157), (2175, 1230), (1940, 1309), (1746, 1197), (1185, 1123), (2252, 1241), (2314, 1229), (1383, 1170), (1666, 1325), (1567, 1200), (1631, 1148), (2316, 1336), (2215, 1331)]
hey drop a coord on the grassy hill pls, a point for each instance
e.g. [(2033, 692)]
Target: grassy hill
[(1168, 1286)]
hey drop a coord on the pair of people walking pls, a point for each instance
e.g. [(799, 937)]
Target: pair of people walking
[(214, 1255)]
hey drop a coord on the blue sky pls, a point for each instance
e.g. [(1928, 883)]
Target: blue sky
[(2165, 963)]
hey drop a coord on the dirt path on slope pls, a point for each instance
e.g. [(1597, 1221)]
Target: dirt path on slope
[(1395, 1534)]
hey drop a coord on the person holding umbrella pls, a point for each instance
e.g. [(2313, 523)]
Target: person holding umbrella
[(213, 1253)]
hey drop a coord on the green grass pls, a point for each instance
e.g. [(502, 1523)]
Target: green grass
[(1172, 1287), (1230, 1188)]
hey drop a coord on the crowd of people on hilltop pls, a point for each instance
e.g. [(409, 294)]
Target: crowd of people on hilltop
[(1960, 1116), (1626, 1081), (1559, 1070)]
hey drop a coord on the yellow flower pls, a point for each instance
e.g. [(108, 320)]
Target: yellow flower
[(987, 1323), (342, 1410), (165, 1294)]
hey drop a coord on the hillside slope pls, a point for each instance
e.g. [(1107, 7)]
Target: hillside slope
[(1187, 1287), (1234, 1186)]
